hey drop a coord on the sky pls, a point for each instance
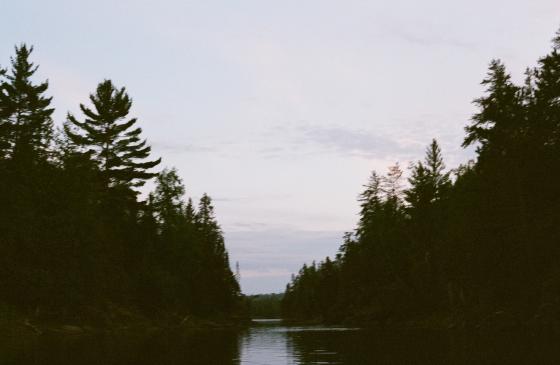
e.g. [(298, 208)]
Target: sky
[(280, 110)]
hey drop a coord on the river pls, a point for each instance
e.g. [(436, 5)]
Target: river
[(270, 342)]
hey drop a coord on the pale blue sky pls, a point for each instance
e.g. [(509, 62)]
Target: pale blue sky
[(280, 109)]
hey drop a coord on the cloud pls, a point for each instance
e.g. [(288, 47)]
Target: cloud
[(181, 148), (353, 142), (432, 40), (252, 198), (307, 139), (266, 273), (268, 258)]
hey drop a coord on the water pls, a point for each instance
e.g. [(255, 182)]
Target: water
[(273, 343)]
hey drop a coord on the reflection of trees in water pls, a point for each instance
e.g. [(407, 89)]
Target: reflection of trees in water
[(422, 347), (266, 343), (172, 347), (274, 345)]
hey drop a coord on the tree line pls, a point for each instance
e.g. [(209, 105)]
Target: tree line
[(476, 243), (76, 239), (265, 306)]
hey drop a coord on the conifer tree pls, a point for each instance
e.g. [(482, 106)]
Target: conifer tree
[(546, 117), (436, 167), (190, 213), (391, 184), (420, 193), (4, 123), (218, 280), (209, 229), (167, 199), (370, 200), (500, 112), (428, 181), (25, 114), (111, 140)]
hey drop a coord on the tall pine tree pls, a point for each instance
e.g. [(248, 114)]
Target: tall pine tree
[(112, 140), (25, 114)]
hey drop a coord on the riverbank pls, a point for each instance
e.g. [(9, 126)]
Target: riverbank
[(497, 320), (17, 326)]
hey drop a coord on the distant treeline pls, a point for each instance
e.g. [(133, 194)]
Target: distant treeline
[(477, 242), (76, 242), (265, 305)]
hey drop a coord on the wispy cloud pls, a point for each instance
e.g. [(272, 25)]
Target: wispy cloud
[(252, 198), (307, 139), (181, 148), (265, 273), (277, 253), (432, 40), (346, 141)]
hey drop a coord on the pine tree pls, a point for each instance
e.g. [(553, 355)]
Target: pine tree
[(208, 227), (167, 198), (546, 117), (217, 283), (500, 114), (25, 116), (436, 167), (370, 201), (428, 181), (190, 213), (115, 144), (420, 193)]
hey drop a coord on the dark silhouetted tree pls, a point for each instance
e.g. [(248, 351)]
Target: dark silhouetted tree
[(25, 114), (112, 141)]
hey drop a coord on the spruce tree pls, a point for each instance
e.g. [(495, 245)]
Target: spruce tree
[(428, 181), (190, 213), (208, 227), (112, 140), (501, 113), (436, 167), (217, 284), (25, 115), (420, 193)]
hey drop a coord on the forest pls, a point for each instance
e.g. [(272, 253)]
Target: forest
[(265, 306), (79, 241), (477, 245)]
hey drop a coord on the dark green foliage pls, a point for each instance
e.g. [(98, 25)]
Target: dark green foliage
[(25, 116), (76, 243), (476, 246), (219, 284), (167, 200), (112, 141), (265, 306)]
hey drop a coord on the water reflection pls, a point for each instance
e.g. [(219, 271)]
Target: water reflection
[(157, 348), (422, 347), (266, 343), (273, 343)]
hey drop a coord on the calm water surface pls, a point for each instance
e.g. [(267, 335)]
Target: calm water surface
[(270, 342)]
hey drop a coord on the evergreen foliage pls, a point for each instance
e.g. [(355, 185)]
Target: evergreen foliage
[(76, 242), (475, 243), (265, 306), (112, 141), (25, 114)]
